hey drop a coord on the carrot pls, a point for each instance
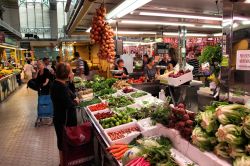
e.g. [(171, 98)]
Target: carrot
[(116, 146), (113, 151), (116, 155)]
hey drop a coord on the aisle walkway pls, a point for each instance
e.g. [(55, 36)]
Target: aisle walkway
[(21, 144)]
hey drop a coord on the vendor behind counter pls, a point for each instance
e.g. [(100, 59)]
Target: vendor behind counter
[(120, 66)]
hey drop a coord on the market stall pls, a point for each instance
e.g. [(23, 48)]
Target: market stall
[(124, 117)]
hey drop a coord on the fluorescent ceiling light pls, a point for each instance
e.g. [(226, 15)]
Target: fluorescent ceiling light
[(126, 7), (138, 43), (247, 1), (212, 26), (136, 32), (245, 22), (180, 16), (217, 34), (88, 30), (156, 23), (188, 34)]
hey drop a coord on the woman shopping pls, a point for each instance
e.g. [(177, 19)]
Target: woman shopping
[(64, 102), (28, 69), (42, 78), (120, 66)]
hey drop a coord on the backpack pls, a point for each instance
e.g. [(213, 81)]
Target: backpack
[(86, 68)]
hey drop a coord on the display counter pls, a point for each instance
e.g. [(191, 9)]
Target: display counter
[(8, 84)]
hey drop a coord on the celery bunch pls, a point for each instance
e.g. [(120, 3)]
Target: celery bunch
[(246, 126)]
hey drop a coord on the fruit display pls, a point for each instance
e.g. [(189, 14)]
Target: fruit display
[(178, 74), (128, 90), (223, 128), (115, 120), (115, 135), (101, 33), (118, 150), (98, 107), (120, 101), (138, 94), (104, 115), (137, 81)]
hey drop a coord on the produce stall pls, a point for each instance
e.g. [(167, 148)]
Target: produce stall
[(131, 126)]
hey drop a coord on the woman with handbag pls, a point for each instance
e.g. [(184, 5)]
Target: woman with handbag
[(64, 102)]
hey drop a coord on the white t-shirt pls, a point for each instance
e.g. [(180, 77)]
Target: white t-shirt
[(28, 70)]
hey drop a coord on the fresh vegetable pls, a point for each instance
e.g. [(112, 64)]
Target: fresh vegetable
[(104, 115), (140, 161), (201, 139), (231, 134), (115, 120), (236, 151), (120, 84), (106, 91), (98, 107), (209, 121), (162, 115), (231, 114), (138, 94), (91, 102), (121, 133), (178, 74), (136, 81), (118, 150), (128, 90), (221, 150), (120, 101), (131, 154), (246, 126), (242, 161)]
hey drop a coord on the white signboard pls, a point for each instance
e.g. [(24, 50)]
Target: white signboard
[(243, 60)]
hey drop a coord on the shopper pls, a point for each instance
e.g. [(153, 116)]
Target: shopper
[(172, 59), (47, 65), (163, 62), (58, 59), (120, 66), (79, 65), (53, 66), (64, 101), (28, 70), (43, 78), (150, 71)]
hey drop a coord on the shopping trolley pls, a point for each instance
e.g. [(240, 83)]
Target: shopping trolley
[(44, 110)]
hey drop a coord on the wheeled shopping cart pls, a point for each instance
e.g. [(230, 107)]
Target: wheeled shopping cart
[(44, 110)]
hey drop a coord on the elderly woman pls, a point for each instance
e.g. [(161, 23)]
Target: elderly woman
[(42, 78), (64, 102)]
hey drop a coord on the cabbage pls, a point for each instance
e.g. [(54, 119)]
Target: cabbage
[(209, 121), (221, 150), (231, 134), (231, 114), (242, 161), (246, 126), (131, 154), (201, 139)]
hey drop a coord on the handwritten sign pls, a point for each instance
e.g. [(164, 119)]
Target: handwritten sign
[(243, 60)]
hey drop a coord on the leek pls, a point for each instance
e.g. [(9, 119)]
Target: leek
[(221, 150)]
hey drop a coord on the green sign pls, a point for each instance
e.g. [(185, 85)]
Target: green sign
[(225, 60)]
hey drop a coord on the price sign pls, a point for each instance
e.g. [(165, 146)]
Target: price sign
[(243, 60)]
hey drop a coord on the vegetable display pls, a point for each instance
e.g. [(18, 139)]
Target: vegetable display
[(118, 150), (138, 94), (98, 107), (122, 133), (138, 161), (115, 120), (106, 91), (128, 90), (224, 128), (136, 81), (91, 102), (120, 84), (120, 101), (104, 115)]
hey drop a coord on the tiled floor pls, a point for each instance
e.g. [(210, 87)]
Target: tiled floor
[(21, 144)]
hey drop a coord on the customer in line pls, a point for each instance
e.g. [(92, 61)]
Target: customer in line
[(150, 71), (145, 60), (79, 63), (43, 78), (64, 102), (47, 65), (28, 70), (120, 66)]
